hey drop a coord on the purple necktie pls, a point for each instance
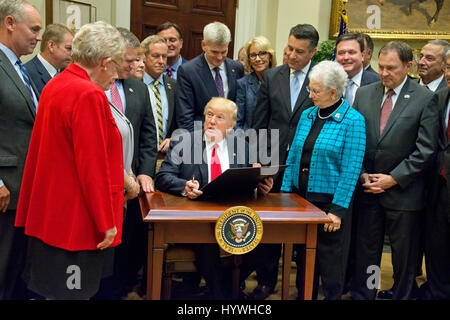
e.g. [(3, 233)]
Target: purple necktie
[(169, 72), (219, 83)]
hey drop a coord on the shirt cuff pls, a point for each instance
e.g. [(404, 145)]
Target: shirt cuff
[(1, 183)]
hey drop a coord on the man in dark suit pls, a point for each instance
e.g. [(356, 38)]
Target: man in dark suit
[(368, 52), (55, 55), (210, 74), (186, 170), (161, 89), (132, 97), (437, 244), (402, 132), (350, 51), (431, 64), (171, 32), (19, 33)]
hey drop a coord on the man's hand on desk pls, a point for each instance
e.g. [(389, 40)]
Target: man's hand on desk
[(265, 185), (146, 183), (191, 189)]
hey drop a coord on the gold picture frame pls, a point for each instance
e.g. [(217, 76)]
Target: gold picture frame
[(393, 19), (72, 14)]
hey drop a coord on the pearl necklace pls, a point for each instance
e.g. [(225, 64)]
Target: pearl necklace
[(323, 118)]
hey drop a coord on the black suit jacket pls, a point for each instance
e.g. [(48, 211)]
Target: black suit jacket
[(139, 111), (273, 106), (370, 69), (183, 163), (17, 116), (171, 86), (38, 74), (407, 145), (196, 86), (369, 77)]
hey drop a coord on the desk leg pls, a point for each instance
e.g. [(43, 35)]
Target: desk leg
[(158, 255), (287, 259), (309, 261), (149, 262)]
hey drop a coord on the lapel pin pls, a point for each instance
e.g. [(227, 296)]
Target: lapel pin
[(338, 115), (232, 70), (169, 86), (131, 90), (406, 96)]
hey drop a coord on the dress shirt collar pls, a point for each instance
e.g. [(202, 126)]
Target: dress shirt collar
[(176, 64), (304, 70), (148, 79), (209, 144), (433, 85), (9, 54), (398, 89), (357, 78), (211, 66), (50, 69)]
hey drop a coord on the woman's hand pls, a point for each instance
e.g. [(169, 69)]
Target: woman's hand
[(132, 188), (334, 226), (110, 234)]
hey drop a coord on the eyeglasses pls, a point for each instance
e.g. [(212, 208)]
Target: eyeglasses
[(313, 91), (261, 54)]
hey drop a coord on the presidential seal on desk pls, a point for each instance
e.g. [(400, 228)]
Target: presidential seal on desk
[(239, 230)]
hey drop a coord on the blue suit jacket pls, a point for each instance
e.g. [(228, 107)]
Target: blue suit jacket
[(369, 77), (38, 74), (337, 157), (196, 86), (247, 93)]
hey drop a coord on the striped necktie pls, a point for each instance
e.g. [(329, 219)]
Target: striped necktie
[(386, 110), (159, 114), (27, 81)]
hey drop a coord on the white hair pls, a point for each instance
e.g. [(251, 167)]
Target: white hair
[(96, 41), (216, 32), (15, 8), (332, 76)]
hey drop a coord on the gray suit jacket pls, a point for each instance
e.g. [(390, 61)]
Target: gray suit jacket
[(407, 145), (17, 116), (38, 74), (138, 110)]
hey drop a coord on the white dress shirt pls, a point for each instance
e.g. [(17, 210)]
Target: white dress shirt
[(433, 85), (222, 152), (50, 69), (395, 96), (223, 74)]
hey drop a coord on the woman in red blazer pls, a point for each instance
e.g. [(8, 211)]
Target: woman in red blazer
[(71, 200)]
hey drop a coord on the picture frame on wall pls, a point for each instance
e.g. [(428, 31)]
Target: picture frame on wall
[(393, 19), (72, 14)]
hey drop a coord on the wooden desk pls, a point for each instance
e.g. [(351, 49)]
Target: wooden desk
[(287, 219)]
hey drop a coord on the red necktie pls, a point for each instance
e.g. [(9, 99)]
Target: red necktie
[(115, 97), (216, 168), (169, 72), (386, 110)]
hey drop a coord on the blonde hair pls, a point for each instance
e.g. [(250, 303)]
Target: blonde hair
[(225, 104), (263, 44), (97, 41)]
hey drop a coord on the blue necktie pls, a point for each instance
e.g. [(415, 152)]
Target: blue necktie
[(27, 81), (349, 92), (295, 89)]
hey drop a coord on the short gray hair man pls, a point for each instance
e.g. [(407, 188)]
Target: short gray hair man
[(216, 32)]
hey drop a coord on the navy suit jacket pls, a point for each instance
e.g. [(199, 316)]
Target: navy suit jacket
[(247, 93), (172, 175), (196, 86), (38, 74), (369, 77)]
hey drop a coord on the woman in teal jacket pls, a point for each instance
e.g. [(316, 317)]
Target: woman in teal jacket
[(325, 161)]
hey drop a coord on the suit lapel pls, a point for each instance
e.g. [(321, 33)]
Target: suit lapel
[(170, 94), (129, 99), (376, 110), (206, 76), (231, 75), (45, 76), (203, 167), (285, 87), (400, 105), (6, 65)]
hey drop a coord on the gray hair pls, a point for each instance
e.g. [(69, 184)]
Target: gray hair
[(145, 44), (447, 54), (216, 32), (131, 41), (97, 41), (15, 8), (442, 43), (331, 74)]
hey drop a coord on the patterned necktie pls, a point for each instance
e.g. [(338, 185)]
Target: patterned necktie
[(169, 72), (386, 110), (159, 113), (27, 81), (216, 168), (349, 92), (219, 83), (115, 97), (295, 88)]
